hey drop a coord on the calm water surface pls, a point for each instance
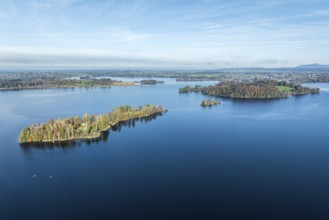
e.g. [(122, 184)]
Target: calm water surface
[(239, 160)]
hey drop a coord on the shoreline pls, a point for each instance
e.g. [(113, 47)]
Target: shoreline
[(123, 84)]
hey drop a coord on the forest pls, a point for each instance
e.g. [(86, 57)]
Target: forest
[(265, 89), (87, 127)]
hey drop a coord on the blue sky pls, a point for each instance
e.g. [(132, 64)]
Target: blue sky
[(163, 33)]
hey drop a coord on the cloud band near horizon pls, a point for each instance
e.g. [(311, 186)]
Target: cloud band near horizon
[(190, 34)]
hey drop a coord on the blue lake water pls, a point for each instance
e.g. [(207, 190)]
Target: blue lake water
[(239, 160)]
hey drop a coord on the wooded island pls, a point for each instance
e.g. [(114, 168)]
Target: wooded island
[(87, 127), (252, 90), (209, 102), (150, 82)]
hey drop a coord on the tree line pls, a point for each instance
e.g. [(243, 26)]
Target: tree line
[(52, 82)]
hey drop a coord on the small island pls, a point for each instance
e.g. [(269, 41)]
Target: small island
[(209, 102), (150, 82), (266, 89), (87, 127), (188, 89)]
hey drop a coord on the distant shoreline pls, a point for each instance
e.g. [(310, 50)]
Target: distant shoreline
[(93, 79), (115, 84)]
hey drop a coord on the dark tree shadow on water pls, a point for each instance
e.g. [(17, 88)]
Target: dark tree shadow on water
[(76, 143)]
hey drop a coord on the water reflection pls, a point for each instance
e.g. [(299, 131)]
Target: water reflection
[(103, 138)]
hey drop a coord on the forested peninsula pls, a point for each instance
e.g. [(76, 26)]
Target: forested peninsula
[(59, 82), (87, 127), (267, 89)]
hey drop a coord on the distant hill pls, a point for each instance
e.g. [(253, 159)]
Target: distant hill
[(302, 68), (313, 66)]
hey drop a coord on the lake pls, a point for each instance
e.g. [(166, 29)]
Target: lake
[(242, 159)]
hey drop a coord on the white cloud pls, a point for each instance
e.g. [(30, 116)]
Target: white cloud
[(202, 33), (126, 35)]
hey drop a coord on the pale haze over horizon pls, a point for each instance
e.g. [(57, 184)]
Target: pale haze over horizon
[(163, 34)]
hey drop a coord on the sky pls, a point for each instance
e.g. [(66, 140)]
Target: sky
[(205, 34)]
